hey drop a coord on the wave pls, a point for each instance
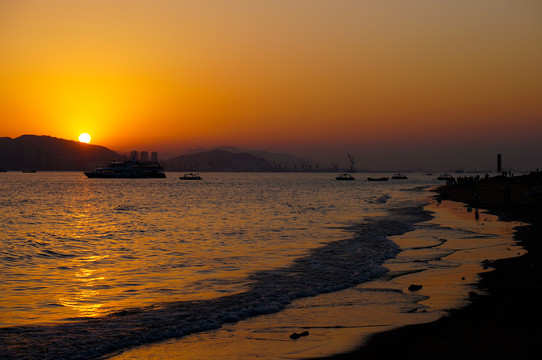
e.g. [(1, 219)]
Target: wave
[(333, 267)]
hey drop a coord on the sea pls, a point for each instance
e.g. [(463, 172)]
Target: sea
[(91, 267)]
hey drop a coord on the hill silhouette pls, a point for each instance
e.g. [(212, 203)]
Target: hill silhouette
[(269, 156), (218, 160), (279, 161), (49, 153)]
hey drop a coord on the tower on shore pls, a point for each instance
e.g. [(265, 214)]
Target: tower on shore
[(499, 163)]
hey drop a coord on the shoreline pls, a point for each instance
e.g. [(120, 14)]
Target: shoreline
[(501, 325), (336, 321)]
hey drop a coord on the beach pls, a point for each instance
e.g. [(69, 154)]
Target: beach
[(505, 322), (407, 323)]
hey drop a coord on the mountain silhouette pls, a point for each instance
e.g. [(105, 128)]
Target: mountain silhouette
[(49, 153), (218, 160), (279, 161), (268, 156)]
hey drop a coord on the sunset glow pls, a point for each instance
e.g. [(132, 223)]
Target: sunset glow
[(272, 179), (313, 78)]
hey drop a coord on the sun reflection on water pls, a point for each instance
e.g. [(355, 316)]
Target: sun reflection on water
[(85, 301)]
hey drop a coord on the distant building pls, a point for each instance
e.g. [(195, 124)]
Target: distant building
[(499, 163), (143, 155)]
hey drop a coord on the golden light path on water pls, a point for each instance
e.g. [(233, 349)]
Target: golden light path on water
[(83, 301)]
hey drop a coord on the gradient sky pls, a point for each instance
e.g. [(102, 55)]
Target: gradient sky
[(418, 83)]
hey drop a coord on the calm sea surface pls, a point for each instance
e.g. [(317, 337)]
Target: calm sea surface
[(99, 255)]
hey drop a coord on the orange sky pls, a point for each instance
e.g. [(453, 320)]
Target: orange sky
[(283, 75)]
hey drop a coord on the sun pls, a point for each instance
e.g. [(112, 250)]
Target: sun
[(84, 137)]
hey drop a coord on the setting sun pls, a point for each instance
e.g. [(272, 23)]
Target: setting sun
[(84, 137)]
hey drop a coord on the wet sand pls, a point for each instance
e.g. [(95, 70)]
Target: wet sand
[(337, 321), (505, 322)]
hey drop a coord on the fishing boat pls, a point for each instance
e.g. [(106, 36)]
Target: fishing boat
[(383, 178), (445, 177), (131, 169), (190, 176), (399, 176), (345, 177)]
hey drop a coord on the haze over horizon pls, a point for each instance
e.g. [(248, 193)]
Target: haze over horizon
[(418, 84)]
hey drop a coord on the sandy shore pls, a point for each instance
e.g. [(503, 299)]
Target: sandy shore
[(505, 323)]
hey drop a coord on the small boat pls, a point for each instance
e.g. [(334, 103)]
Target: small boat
[(29, 171), (190, 176), (399, 176), (131, 169), (345, 177), (378, 179), (445, 177)]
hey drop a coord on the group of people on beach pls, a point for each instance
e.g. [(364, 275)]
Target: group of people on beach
[(465, 180), (534, 177)]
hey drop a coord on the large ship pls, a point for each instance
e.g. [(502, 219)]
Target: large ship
[(131, 169)]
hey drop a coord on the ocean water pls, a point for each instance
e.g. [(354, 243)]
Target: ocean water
[(93, 266)]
